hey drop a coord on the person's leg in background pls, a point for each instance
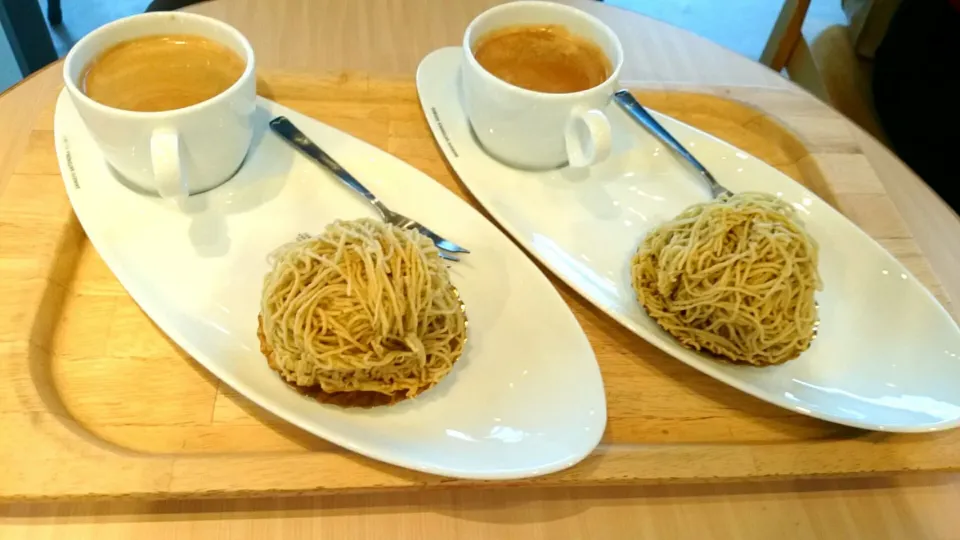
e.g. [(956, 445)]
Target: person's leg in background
[(916, 88)]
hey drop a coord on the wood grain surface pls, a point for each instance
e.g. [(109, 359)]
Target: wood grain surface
[(90, 377), (389, 37)]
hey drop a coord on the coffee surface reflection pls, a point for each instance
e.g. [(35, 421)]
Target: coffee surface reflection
[(161, 73), (543, 58)]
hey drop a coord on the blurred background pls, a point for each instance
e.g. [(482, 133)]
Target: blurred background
[(741, 25), (829, 47)]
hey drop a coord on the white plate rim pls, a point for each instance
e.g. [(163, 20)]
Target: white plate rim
[(165, 324), (447, 54)]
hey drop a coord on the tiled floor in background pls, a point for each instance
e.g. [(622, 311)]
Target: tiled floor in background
[(741, 25)]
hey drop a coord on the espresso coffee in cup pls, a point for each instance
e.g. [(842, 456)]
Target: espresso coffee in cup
[(543, 58), (536, 79), (161, 73), (169, 98)]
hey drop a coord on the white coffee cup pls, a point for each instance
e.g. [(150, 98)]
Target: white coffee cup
[(178, 152), (539, 130)]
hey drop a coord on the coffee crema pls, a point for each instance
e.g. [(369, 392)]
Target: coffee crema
[(543, 58), (161, 73)]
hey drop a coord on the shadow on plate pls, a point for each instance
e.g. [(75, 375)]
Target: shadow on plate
[(259, 179)]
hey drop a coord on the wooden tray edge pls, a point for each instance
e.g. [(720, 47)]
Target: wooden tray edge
[(64, 463)]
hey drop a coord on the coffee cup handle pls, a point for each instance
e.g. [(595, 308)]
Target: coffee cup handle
[(587, 137), (167, 168)]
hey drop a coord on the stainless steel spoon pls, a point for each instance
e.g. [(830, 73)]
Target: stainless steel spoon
[(289, 133), (628, 103)]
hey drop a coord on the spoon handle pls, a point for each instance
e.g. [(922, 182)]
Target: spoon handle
[(289, 132), (628, 103)]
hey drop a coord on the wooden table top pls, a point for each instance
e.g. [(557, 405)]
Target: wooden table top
[(389, 37)]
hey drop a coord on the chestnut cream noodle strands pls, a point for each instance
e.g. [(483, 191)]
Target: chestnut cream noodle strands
[(364, 306), (735, 277)]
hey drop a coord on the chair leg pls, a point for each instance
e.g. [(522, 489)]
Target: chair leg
[(54, 14), (802, 69), (785, 34)]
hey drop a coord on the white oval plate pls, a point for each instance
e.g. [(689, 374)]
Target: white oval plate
[(886, 357), (526, 397)]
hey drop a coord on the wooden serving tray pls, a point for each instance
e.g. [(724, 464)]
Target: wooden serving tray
[(95, 401)]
